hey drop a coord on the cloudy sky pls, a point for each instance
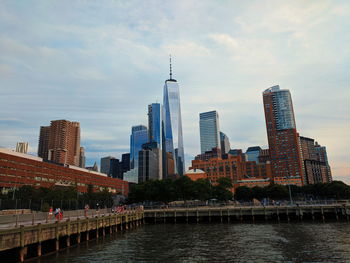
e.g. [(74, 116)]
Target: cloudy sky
[(102, 62)]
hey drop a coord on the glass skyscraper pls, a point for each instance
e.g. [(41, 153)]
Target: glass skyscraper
[(155, 123), (209, 131), (173, 139), (139, 136)]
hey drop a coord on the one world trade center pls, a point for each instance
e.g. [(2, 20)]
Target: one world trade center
[(174, 162)]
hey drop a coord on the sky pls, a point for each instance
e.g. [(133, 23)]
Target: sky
[(102, 62)]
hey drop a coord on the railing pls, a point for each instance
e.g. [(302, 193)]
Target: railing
[(191, 204)]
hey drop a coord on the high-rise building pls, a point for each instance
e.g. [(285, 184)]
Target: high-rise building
[(252, 153), (316, 168), (155, 123), (225, 143), (82, 158), (283, 138), (173, 138), (321, 152), (60, 142), (105, 164), (150, 167), (209, 131), (43, 148), (125, 162), (115, 169), (138, 137), (155, 128), (22, 147)]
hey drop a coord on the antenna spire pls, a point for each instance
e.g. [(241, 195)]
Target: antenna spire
[(171, 73)]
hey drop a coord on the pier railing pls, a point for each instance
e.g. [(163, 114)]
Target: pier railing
[(233, 213)]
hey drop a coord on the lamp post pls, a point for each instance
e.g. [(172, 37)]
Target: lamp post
[(290, 195)]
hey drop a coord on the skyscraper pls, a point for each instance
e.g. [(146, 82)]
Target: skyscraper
[(82, 157), (209, 131), (282, 134), (150, 167), (155, 123), (173, 139), (105, 164), (43, 147), (138, 137), (225, 143), (60, 142), (252, 154)]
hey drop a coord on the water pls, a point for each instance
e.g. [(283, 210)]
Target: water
[(297, 242)]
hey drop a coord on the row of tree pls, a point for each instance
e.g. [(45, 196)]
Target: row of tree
[(333, 190), (64, 197), (182, 188)]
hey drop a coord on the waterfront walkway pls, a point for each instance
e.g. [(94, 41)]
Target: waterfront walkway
[(34, 238)]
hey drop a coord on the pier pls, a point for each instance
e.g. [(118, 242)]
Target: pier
[(249, 214), (34, 240)]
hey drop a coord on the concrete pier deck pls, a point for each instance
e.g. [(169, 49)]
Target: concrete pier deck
[(28, 240)]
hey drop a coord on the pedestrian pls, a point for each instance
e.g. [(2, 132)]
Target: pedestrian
[(50, 213), (86, 210), (56, 213)]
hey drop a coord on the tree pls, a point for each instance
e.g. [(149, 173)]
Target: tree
[(222, 190), (277, 192), (243, 193), (259, 192), (202, 189)]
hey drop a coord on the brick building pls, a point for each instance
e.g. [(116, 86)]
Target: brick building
[(316, 168), (17, 169), (283, 138)]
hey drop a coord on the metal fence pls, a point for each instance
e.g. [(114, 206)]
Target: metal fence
[(44, 205), (191, 204)]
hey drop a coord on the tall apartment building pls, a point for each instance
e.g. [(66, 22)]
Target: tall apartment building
[(283, 138), (316, 168), (173, 138), (209, 131), (60, 142), (43, 148)]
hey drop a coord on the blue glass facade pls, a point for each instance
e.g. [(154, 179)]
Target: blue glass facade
[(209, 131), (155, 123), (138, 137), (173, 125)]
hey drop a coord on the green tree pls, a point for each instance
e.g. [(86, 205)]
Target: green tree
[(277, 192), (222, 190), (243, 193), (259, 192)]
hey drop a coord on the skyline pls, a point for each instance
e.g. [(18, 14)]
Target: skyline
[(112, 67)]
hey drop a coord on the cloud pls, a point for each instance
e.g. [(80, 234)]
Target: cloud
[(101, 63)]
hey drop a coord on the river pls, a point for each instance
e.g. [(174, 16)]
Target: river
[(294, 242)]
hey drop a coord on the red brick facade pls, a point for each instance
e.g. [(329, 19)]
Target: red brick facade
[(18, 169)]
